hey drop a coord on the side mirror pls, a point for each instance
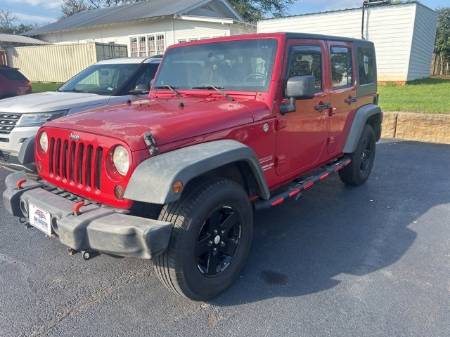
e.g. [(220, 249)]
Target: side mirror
[(298, 87), (140, 89), (301, 87)]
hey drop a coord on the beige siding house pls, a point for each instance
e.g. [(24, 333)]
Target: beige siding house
[(148, 27), (403, 34)]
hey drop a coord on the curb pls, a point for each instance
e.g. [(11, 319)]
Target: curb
[(432, 128)]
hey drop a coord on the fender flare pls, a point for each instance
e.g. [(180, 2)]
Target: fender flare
[(26, 152), (359, 121), (152, 180)]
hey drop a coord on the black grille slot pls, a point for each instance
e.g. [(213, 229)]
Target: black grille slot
[(75, 162), (7, 122)]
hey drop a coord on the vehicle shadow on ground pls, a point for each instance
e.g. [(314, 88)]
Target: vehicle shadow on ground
[(334, 231)]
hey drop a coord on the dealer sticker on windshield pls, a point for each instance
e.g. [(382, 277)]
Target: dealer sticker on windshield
[(40, 219)]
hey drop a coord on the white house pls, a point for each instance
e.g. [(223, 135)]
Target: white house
[(148, 27), (403, 33)]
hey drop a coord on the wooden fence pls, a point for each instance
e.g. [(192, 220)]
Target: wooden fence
[(59, 62)]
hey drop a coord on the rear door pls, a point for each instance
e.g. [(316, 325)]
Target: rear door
[(302, 134), (342, 93)]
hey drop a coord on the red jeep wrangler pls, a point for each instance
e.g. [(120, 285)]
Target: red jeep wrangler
[(231, 125)]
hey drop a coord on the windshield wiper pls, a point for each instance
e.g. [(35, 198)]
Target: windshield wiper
[(218, 89), (173, 89)]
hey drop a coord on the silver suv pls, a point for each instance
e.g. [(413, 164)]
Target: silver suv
[(104, 83)]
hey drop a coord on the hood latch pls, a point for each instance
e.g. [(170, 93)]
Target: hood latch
[(151, 144)]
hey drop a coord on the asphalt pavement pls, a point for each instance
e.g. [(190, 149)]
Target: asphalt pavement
[(367, 261)]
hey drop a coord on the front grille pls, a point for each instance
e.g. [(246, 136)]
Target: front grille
[(7, 122), (76, 162)]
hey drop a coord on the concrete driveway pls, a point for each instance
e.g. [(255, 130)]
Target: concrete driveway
[(368, 261)]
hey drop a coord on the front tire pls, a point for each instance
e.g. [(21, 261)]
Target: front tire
[(211, 239), (363, 158)]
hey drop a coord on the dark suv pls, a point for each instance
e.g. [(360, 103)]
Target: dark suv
[(13, 83)]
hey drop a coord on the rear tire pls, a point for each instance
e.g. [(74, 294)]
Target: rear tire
[(211, 239), (363, 158)]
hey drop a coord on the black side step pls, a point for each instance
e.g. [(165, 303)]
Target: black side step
[(295, 188)]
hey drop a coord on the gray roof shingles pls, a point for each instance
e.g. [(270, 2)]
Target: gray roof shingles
[(131, 12)]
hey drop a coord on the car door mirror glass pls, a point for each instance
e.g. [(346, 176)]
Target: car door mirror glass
[(301, 87)]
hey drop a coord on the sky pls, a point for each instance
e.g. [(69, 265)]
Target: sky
[(45, 11)]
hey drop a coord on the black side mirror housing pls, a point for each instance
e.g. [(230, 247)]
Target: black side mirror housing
[(140, 89), (298, 87)]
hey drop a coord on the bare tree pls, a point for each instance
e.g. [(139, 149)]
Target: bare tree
[(7, 21), (71, 7)]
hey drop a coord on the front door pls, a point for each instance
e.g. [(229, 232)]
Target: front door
[(342, 93), (302, 134)]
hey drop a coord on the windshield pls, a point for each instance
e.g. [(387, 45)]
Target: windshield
[(102, 79), (244, 65)]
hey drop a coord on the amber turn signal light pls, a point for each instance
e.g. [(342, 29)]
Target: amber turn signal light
[(119, 192), (177, 187)]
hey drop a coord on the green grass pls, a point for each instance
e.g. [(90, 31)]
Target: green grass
[(430, 95), (41, 86)]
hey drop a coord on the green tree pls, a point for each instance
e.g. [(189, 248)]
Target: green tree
[(442, 47), (254, 10)]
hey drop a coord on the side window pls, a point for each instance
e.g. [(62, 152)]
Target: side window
[(147, 76), (341, 67), (306, 60), (366, 65)]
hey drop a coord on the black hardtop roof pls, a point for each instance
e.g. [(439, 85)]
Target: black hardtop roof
[(326, 37)]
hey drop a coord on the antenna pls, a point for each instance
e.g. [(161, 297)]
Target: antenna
[(367, 4)]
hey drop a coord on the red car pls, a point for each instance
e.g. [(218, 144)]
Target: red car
[(13, 83), (232, 125)]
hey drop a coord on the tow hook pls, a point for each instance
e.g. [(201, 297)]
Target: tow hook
[(24, 221), (89, 254)]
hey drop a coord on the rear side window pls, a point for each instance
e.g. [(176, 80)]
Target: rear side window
[(12, 74), (341, 67), (366, 65), (304, 61)]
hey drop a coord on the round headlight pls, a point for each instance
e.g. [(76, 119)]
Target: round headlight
[(43, 142), (121, 160)]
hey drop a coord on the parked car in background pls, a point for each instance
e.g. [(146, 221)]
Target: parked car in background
[(104, 83), (13, 82)]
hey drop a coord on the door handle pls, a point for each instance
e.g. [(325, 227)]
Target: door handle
[(322, 107), (350, 99)]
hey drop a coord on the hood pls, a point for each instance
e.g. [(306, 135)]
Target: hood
[(167, 119), (50, 101)]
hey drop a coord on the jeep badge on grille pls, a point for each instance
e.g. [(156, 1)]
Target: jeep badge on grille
[(74, 137)]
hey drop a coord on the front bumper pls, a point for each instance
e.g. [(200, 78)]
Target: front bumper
[(96, 228)]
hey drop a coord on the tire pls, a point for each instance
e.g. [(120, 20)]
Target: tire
[(363, 158), (205, 256)]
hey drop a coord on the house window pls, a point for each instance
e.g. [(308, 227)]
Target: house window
[(156, 44), (160, 45), (151, 45), (142, 50), (133, 47), (341, 67)]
